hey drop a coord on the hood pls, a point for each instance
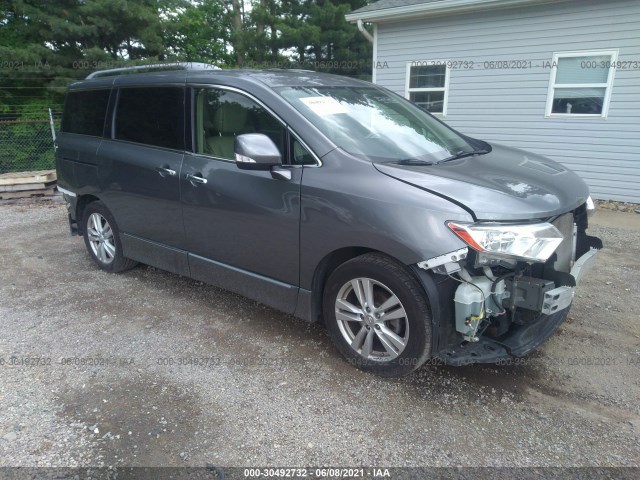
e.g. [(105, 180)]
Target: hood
[(505, 184)]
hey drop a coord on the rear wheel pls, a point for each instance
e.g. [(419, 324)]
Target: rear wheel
[(102, 238), (377, 315)]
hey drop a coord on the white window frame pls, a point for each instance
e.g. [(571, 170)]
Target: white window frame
[(445, 89), (608, 86)]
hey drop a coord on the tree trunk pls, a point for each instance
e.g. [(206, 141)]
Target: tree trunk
[(260, 26), (237, 37), (274, 42)]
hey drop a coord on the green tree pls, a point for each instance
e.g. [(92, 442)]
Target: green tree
[(198, 31), (46, 45), (123, 28), (264, 34), (317, 32), (49, 44)]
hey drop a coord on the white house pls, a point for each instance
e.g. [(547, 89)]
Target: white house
[(560, 78)]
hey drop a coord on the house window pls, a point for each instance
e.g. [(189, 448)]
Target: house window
[(428, 85), (580, 84)]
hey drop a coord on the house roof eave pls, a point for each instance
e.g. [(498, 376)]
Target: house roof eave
[(443, 7)]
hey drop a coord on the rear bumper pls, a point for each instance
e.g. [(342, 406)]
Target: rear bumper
[(71, 201)]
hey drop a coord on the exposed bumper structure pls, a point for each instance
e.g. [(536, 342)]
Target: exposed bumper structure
[(584, 264), (560, 298), (521, 342), (526, 338), (519, 339)]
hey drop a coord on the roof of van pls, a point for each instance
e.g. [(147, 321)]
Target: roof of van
[(271, 78)]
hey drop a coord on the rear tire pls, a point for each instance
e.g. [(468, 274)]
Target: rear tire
[(102, 239), (378, 316)]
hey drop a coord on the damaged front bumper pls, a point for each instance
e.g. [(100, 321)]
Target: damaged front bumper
[(521, 339), (584, 264), (561, 297), (506, 322)]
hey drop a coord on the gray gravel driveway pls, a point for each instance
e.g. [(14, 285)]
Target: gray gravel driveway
[(149, 368)]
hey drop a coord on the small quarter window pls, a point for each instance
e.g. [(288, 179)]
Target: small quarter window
[(151, 115), (299, 153), (84, 112), (581, 84)]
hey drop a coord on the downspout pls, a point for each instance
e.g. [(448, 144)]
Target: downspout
[(364, 31)]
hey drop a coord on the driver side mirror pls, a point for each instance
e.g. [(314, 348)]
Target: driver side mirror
[(256, 151)]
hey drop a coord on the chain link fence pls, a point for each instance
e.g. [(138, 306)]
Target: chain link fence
[(25, 142)]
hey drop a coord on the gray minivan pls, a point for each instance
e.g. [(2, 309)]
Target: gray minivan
[(330, 199)]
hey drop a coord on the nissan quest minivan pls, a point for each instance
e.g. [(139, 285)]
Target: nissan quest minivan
[(330, 199)]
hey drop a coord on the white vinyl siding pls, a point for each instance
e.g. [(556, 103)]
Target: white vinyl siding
[(581, 84), (509, 105)]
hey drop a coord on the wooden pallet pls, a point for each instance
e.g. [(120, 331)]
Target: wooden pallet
[(29, 193), (27, 186), (25, 178)]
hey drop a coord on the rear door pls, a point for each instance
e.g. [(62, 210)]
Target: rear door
[(241, 226), (140, 169)]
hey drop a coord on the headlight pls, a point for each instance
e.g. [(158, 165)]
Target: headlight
[(534, 242)]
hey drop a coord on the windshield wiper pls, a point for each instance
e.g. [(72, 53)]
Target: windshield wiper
[(414, 161), (462, 154)]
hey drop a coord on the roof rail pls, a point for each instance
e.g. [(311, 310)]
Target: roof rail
[(156, 66), (293, 70)]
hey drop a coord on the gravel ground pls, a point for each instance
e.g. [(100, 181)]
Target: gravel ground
[(269, 390)]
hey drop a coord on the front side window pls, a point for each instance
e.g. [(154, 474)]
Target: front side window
[(376, 124), (151, 115), (427, 85), (84, 112), (221, 115), (581, 84)]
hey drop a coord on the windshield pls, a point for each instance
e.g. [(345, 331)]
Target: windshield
[(378, 125)]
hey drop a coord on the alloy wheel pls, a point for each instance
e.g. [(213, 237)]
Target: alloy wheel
[(101, 238), (372, 319)]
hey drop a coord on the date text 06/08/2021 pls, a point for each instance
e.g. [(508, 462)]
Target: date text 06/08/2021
[(323, 472), (516, 64)]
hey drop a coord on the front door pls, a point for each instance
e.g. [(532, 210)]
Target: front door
[(241, 226)]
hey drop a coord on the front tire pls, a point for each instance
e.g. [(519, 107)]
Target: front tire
[(102, 239), (378, 315)]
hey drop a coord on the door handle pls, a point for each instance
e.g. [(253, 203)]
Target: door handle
[(195, 178), (163, 171)]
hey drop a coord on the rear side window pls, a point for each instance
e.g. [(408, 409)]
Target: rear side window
[(84, 112), (153, 116)]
